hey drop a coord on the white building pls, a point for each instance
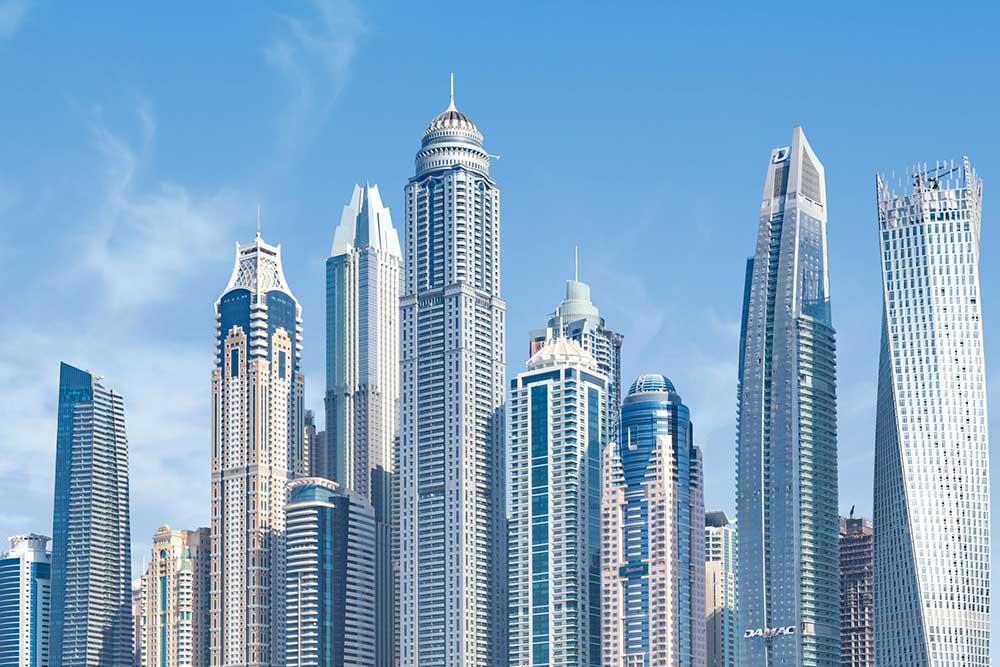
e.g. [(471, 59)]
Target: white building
[(721, 610), (932, 489), (558, 415), (453, 600), (25, 603), (257, 447)]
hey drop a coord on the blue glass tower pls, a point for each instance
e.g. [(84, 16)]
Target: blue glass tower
[(653, 569), (786, 478), (330, 583), (91, 552)]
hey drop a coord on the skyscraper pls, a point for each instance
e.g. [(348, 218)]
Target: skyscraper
[(786, 474), (25, 578), (174, 629), (453, 599), (558, 416), (314, 444), (576, 317), (363, 277), (331, 605), (857, 646), (653, 532), (91, 552), (257, 447), (932, 468), (721, 610)]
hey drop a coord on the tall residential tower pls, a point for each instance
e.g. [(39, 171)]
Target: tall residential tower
[(363, 277), (857, 645), (721, 608), (91, 543), (453, 600), (786, 476), (932, 465), (25, 602), (558, 416), (653, 534), (257, 447)]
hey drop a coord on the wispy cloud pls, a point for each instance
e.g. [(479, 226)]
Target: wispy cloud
[(314, 55), (144, 248), (12, 15)]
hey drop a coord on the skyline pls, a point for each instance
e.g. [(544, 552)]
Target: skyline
[(307, 225)]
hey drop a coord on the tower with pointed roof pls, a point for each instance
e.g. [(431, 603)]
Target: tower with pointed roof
[(576, 317), (363, 275), (453, 602), (257, 448), (786, 468)]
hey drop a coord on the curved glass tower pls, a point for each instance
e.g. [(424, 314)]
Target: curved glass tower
[(932, 466), (653, 534), (453, 600), (786, 471), (257, 427)]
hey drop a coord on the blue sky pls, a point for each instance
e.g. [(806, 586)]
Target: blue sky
[(138, 142)]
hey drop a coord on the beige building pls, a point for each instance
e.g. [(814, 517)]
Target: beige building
[(172, 606), (721, 612)]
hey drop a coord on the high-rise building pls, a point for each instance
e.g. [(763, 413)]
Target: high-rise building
[(257, 447), (91, 548), (363, 277), (25, 577), (721, 610), (857, 645), (786, 475), (138, 634), (576, 317), (330, 583), (453, 597), (653, 532), (932, 467), (314, 445), (174, 600), (558, 415)]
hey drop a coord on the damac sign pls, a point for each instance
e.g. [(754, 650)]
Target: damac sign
[(767, 633)]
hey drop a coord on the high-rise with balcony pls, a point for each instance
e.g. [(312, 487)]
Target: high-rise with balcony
[(330, 609), (363, 277), (257, 447), (721, 610), (786, 474), (857, 645), (91, 548), (453, 599), (25, 578), (173, 625), (577, 318), (653, 534), (932, 464), (558, 415)]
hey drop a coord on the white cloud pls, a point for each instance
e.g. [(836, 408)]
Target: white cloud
[(12, 15), (314, 56), (143, 269)]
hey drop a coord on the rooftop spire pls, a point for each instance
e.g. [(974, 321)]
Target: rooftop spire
[(451, 96), (258, 220), (576, 263)]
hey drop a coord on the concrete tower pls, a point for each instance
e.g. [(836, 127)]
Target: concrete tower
[(453, 600), (257, 447)]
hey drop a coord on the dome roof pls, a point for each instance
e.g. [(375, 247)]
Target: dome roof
[(451, 118), (561, 351), (651, 382)]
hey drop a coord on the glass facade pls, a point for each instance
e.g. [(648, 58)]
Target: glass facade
[(558, 415), (91, 552), (786, 476), (932, 491), (25, 576), (653, 518), (330, 616)]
